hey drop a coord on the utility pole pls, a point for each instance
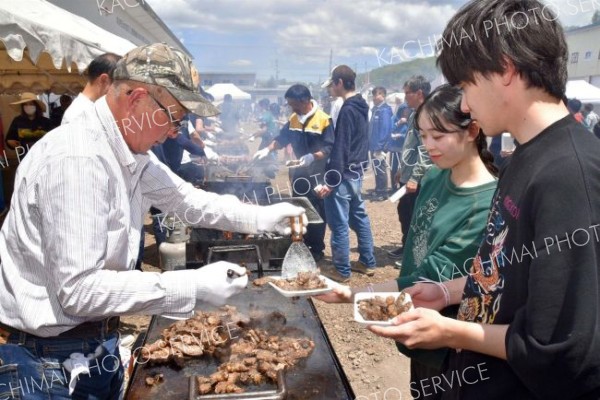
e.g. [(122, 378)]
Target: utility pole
[(330, 59)]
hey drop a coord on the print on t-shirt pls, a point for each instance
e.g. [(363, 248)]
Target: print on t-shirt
[(483, 292)]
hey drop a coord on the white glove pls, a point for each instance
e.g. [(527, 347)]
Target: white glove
[(210, 154), (209, 143), (276, 218), (78, 364), (213, 284), (259, 155), (251, 139), (190, 127), (306, 160), (379, 155)]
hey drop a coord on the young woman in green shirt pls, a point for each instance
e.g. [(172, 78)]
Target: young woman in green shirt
[(450, 214)]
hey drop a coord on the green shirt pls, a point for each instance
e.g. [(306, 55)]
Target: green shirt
[(446, 230)]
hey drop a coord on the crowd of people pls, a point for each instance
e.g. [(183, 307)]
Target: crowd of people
[(496, 248)]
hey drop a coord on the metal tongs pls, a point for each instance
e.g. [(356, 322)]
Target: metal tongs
[(243, 169)]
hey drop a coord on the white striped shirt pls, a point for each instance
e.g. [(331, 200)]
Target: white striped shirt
[(70, 241), (81, 104)]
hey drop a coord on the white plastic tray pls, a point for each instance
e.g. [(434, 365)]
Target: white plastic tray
[(295, 293), (371, 295)]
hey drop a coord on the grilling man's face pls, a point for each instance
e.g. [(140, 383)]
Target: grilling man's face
[(299, 107)]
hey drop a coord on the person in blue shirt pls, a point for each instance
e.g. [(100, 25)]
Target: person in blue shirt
[(394, 146), (380, 130), (267, 126), (170, 153)]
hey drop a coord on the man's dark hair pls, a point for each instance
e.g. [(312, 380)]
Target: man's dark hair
[(264, 103), (378, 89), (298, 92), (526, 32), (574, 105), (275, 109), (588, 107), (65, 100), (346, 74), (418, 82), (103, 64), (228, 97)]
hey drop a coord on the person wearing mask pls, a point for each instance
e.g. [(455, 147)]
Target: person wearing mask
[(99, 78), (28, 127)]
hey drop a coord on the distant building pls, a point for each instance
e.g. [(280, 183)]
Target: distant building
[(584, 53), (133, 20), (242, 80)]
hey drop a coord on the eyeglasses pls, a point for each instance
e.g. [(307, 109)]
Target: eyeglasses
[(177, 123)]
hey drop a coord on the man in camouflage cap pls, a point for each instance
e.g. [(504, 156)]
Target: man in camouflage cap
[(70, 241), (161, 65)]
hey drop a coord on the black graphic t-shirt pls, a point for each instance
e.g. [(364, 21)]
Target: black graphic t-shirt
[(538, 271), (28, 131)]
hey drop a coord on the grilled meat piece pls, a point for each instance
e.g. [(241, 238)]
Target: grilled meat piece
[(302, 281), (380, 309), (154, 379)]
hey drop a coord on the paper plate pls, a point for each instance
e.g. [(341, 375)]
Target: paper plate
[(371, 295), (295, 293)]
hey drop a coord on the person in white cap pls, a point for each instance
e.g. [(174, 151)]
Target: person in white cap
[(69, 244), (336, 104)]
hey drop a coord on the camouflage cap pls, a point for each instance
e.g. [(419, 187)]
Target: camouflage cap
[(161, 65)]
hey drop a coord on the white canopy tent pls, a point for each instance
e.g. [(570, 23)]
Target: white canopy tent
[(45, 48), (391, 98), (583, 91), (219, 90)]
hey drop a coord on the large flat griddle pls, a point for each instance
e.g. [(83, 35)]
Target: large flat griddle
[(317, 377)]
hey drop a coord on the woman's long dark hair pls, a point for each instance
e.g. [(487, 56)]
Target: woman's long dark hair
[(442, 106)]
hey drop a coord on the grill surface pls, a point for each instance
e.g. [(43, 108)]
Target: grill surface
[(317, 377)]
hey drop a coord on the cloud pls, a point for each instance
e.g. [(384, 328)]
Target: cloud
[(241, 63), (307, 29), (298, 36)]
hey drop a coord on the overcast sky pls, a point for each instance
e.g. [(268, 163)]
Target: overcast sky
[(294, 38)]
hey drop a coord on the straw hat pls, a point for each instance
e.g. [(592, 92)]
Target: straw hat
[(27, 97)]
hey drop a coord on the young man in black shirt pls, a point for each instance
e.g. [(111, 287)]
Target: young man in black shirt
[(529, 319)]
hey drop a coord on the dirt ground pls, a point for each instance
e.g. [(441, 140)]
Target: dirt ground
[(373, 365)]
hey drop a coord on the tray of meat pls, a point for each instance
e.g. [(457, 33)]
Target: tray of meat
[(304, 284), (380, 308)]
